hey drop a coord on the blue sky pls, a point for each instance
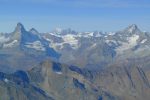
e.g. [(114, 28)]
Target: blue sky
[(80, 15)]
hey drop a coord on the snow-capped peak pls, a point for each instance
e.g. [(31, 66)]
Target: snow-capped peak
[(132, 28)]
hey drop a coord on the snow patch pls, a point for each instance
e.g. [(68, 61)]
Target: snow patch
[(98, 35), (111, 33), (56, 45), (70, 39), (54, 34), (105, 36), (143, 41), (58, 73), (87, 34), (3, 39), (132, 41), (6, 80), (111, 41), (92, 46), (11, 44), (35, 45)]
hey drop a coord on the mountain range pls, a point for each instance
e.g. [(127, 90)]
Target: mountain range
[(65, 64)]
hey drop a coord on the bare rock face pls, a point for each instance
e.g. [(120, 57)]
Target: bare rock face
[(130, 82), (114, 83), (54, 81), (17, 86), (50, 81), (64, 82)]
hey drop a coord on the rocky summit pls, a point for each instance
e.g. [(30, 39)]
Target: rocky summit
[(68, 65)]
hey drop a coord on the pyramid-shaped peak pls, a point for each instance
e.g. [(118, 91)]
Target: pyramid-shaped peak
[(132, 28), (19, 24), (34, 31), (19, 28)]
